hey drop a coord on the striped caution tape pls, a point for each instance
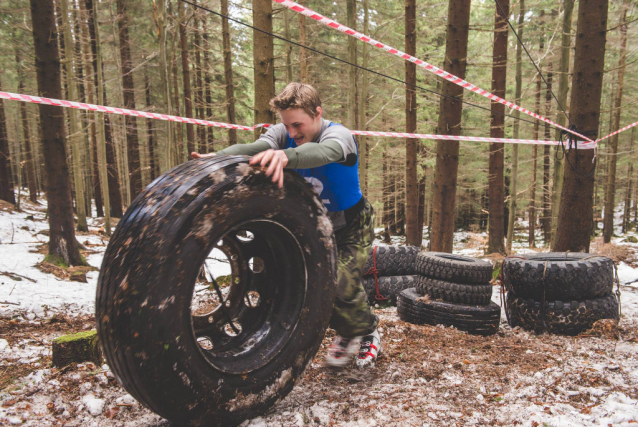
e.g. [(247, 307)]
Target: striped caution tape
[(157, 116), (423, 64)]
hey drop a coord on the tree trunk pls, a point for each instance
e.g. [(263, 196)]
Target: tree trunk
[(532, 201), (421, 213), (601, 174), (90, 90), (399, 205), (351, 14), (496, 189), (610, 195), (128, 94), (210, 136), (447, 152), (547, 209), (150, 131), (412, 232), (303, 61), (30, 163), (87, 170), (228, 75), (186, 78), (164, 157), (264, 63), (180, 154), (109, 185), (517, 99), (75, 139), (113, 187), (626, 224), (199, 88), (62, 243), (288, 46), (388, 189), (563, 89), (574, 219), (363, 108), (6, 181)]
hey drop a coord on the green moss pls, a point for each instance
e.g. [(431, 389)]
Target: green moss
[(223, 281), (55, 260), (77, 336), (498, 265)]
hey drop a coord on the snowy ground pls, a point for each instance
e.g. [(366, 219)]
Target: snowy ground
[(428, 375)]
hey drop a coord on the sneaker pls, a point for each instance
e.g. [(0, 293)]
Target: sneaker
[(341, 351), (369, 351)]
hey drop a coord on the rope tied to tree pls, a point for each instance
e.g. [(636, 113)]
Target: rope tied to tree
[(572, 143), (374, 271)]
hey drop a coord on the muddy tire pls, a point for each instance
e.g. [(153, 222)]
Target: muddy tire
[(393, 260), (193, 368), (389, 287), (561, 318), (474, 319), (567, 276), (453, 268), (455, 292)]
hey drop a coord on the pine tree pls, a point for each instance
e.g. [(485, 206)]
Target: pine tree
[(574, 219), (447, 152)]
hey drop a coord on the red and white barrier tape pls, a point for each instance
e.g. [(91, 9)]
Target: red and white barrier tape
[(617, 132), (581, 144), (122, 111), (423, 64), (156, 116)]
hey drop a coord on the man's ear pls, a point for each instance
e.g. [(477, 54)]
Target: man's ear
[(319, 112)]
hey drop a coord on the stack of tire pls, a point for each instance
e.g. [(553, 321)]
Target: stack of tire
[(452, 290), (562, 293), (393, 268)]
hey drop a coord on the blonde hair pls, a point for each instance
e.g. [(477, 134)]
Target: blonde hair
[(297, 95)]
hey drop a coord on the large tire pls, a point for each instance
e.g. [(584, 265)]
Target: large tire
[(146, 287), (453, 268), (455, 292), (562, 318), (389, 287), (560, 276), (478, 320), (392, 260)]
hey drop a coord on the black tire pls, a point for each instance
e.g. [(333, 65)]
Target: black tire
[(146, 286), (478, 320), (389, 287), (455, 292), (393, 260), (453, 268), (568, 276), (562, 318)]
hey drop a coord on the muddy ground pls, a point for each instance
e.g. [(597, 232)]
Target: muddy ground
[(427, 376)]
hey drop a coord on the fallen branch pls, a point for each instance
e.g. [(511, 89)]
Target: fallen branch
[(7, 302), (15, 276)]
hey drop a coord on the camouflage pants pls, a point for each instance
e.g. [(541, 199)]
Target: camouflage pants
[(351, 315)]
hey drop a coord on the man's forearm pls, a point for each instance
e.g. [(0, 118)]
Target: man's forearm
[(312, 155), (245, 149)]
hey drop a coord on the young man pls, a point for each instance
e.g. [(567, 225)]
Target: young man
[(326, 155)]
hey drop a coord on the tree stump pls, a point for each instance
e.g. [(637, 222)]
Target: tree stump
[(77, 348)]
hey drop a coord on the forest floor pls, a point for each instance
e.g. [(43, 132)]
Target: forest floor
[(426, 376)]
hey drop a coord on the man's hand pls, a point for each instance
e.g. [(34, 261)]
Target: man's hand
[(195, 155), (277, 160)]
